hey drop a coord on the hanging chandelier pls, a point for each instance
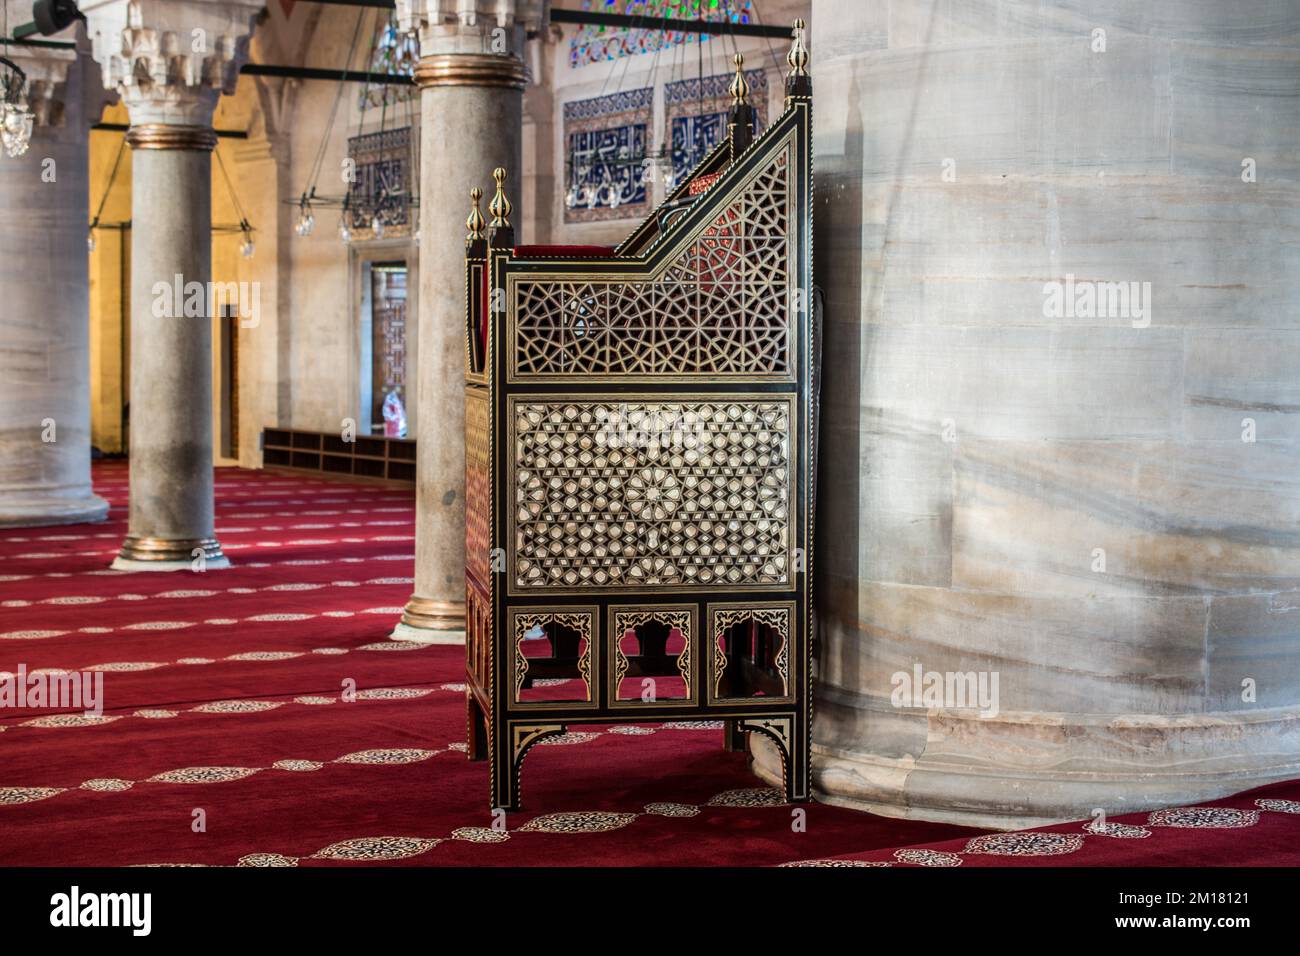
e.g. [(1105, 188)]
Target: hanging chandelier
[(377, 200), (16, 120)]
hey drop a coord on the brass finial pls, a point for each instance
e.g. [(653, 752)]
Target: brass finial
[(798, 55), (475, 222), (500, 206), (739, 88)]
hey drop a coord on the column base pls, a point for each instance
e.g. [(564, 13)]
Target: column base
[(425, 621), (169, 554), (38, 511), (1029, 769)]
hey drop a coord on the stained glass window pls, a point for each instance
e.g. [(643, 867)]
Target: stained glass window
[(597, 44)]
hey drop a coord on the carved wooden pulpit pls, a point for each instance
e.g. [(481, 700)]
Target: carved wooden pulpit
[(640, 436)]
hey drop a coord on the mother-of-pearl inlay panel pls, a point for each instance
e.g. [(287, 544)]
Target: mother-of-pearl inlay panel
[(652, 494)]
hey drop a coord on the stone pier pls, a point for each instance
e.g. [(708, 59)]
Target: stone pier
[(471, 78), (170, 62), (45, 332), (1060, 244)]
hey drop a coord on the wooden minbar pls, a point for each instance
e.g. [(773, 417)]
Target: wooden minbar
[(640, 432)]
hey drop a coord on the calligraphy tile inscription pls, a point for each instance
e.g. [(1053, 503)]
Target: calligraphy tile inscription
[(606, 141), (382, 164), (697, 112)]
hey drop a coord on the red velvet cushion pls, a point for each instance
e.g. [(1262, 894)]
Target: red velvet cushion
[(702, 183)]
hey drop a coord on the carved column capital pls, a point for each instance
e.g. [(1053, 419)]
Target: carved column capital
[(170, 60), (471, 27)]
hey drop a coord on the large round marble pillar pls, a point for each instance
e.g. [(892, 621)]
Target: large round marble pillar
[(45, 326), (170, 61), (471, 116), (1094, 503), (171, 493)]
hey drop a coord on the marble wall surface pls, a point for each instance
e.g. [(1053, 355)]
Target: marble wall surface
[(44, 334), (1103, 509)]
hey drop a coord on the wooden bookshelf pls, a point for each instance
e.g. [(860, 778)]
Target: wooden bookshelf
[(367, 458)]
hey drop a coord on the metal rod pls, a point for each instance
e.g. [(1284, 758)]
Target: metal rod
[(558, 15), (123, 127), (312, 73), (266, 69), (48, 44), (630, 20), (646, 22)]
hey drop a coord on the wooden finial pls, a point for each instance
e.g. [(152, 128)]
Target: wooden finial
[(500, 206), (739, 88), (798, 55), (475, 223)]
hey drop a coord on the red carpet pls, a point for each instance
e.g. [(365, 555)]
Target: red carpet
[(225, 693)]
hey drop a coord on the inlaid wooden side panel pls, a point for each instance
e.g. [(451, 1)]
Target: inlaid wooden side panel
[(652, 494), (478, 503)]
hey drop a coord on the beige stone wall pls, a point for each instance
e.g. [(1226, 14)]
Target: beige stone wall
[(110, 272)]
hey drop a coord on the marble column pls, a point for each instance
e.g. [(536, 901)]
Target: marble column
[(1090, 493), (471, 78), (170, 62), (45, 327)]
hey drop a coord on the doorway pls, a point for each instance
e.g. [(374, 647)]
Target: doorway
[(384, 337)]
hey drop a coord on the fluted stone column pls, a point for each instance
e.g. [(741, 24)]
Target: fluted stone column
[(1098, 505), (471, 78), (170, 60), (45, 324)]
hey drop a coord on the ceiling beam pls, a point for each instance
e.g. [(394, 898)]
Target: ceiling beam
[(314, 73), (558, 15)]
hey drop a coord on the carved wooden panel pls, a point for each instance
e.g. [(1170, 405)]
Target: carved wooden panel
[(659, 662), (646, 435), (553, 654), (478, 503), (751, 651), (720, 308)]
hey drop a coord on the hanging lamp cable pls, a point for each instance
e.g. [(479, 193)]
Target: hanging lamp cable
[(319, 163), (234, 198), (112, 178), (778, 60)]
